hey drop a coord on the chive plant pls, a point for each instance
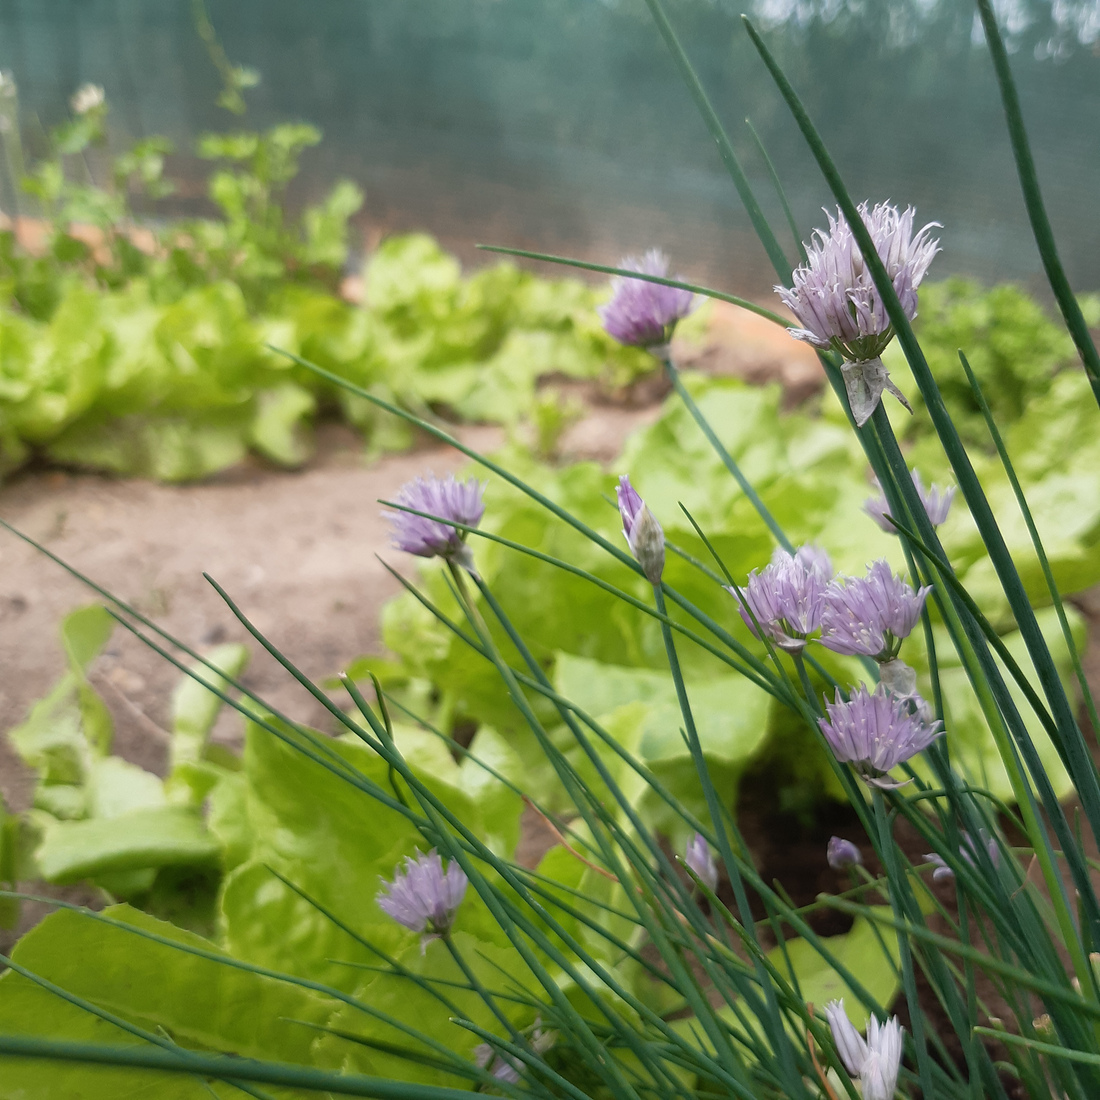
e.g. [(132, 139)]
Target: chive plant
[(725, 948)]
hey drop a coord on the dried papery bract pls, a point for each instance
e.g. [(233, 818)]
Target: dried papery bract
[(446, 499), (875, 732), (424, 897), (839, 307), (644, 314), (936, 500), (642, 532)]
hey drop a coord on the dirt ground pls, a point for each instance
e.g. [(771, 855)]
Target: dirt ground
[(297, 550)]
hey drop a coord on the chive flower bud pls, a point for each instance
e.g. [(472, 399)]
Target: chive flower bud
[(936, 501), (875, 732), (446, 499), (643, 533), (874, 1060), (507, 1067), (425, 897), (700, 859), (839, 307), (968, 851), (644, 314), (842, 853), (869, 616)]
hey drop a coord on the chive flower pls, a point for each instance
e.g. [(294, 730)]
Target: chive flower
[(504, 1067), (424, 897), (842, 853), (641, 530), (874, 1060), (839, 307), (870, 616), (644, 314), (700, 859), (786, 598), (447, 499), (968, 850), (936, 501), (811, 557), (507, 1067), (875, 732)]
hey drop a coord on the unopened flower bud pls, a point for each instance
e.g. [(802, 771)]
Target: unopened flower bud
[(842, 853), (643, 533), (700, 859)]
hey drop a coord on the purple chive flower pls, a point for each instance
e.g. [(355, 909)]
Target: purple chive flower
[(507, 1067), (968, 850), (834, 295), (811, 557), (444, 497), (835, 299), (869, 616), (842, 853), (875, 732), (874, 1060), (504, 1067), (424, 897), (786, 597), (643, 533), (643, 314), (700, 859), (936, 501)]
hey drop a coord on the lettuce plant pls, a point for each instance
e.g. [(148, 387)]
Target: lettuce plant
[(381, 938)]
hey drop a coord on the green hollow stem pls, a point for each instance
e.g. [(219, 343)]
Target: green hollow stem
[(1025, 801), (94, 1010), (478, 986), (224, 1068), (1084, 772), (778, 1035), (807, 683), (1036, 542), (626, 273), (683, 975), (888, 852), (781, 194), (569, 779), (721, 139), (727, 459), (1033, 199)]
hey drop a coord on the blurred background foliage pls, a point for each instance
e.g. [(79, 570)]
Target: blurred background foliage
[(138, 321)]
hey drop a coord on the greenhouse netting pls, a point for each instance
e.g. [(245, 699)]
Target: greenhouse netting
[(562, 125)]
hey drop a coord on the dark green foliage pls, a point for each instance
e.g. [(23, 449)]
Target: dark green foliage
[(1013, 345)]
